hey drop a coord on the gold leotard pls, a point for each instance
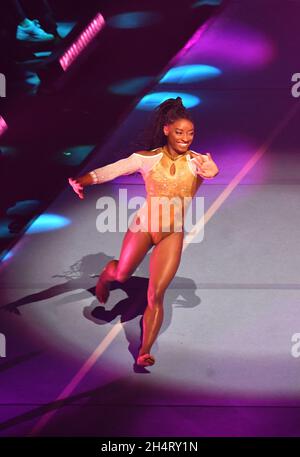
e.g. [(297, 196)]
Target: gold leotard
[(173, 183), (170, 186)]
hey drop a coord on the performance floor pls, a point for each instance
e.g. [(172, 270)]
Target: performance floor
[(226, 357)]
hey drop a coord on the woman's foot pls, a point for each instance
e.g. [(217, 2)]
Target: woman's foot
[(145, 360), (102, 289)]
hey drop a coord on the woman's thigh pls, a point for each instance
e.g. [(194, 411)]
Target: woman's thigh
[(134, 248), (164, 262)]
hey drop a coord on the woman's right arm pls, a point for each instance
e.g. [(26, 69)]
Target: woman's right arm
[(107, 173)]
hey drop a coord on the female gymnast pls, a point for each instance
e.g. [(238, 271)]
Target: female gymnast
[(169, 170)]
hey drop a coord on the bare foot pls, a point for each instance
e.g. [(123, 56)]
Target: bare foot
[(102, 289), (145, 360)]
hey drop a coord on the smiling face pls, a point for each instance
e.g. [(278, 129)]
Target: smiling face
[(180, 135)]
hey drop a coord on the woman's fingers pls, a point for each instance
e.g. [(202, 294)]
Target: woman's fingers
[(78, 188), (203, 160), (199, 162), (203, 174), (79, 191)]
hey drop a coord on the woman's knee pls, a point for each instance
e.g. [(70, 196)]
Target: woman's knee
[(113, 269), (156, 294), (111, 265)]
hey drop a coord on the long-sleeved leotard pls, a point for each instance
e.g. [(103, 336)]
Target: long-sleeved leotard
[(179, 188)]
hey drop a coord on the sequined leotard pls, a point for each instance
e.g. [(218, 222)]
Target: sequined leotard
[(170, 186)]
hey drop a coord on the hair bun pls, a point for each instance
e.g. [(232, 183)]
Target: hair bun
[(178, 101)]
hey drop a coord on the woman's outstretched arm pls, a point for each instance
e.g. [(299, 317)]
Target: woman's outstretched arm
[(109, 172)]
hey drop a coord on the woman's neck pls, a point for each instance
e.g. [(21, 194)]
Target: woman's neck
[(171, 152)]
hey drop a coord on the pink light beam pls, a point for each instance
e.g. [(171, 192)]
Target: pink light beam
[(84, 39)]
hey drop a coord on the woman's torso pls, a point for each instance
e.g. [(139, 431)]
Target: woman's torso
[(170, 186)]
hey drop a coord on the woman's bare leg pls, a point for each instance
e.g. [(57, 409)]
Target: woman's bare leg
[(134, 248), (164, 263)]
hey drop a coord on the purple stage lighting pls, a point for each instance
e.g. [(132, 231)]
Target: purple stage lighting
[(3, 126)]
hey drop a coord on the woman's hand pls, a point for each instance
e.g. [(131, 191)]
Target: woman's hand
[(206, 167), (77, 187)]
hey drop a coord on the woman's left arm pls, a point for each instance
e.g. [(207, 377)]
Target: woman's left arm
[(206, 166)]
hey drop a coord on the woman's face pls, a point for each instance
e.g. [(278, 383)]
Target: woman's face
[(180, 135)]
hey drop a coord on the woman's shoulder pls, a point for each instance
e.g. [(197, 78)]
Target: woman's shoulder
[(150, 153)]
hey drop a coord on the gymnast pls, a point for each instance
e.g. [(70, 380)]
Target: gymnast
[(171, 172)]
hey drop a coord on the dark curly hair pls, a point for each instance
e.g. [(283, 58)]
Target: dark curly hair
[(167, 112)]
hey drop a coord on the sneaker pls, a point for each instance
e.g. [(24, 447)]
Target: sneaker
[(31, 31), (52, 32)]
